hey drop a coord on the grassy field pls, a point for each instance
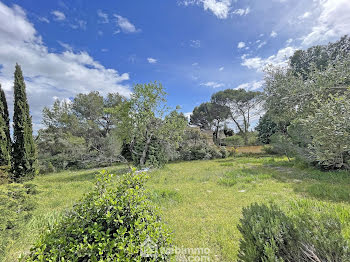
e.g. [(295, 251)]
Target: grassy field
[(201, 201)]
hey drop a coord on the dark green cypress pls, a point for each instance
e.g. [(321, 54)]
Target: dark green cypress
[(5, 138), (24, 157)]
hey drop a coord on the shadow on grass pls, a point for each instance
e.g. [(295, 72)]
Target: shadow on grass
[(322, 185)]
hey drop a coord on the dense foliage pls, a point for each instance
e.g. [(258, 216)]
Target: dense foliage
[(150, 135), (79, 133), (95, 131), (24, 155), (311, 112), (114, 222), (5, 138), (195, 146), (16, 208), (307, 232)]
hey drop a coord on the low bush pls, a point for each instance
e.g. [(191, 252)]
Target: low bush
[(16, 208), (199, 152), (115, 222), (268, 149), (235, 140), (308, 231), (4, 174), (324, 230), (268, 235)]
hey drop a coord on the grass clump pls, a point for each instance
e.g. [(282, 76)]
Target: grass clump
[(16, 208), (244, 175), (307, 231), (110, 223)]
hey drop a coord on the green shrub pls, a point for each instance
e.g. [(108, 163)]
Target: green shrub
[(214, 152), (224, 152), (268, 235), (307, 231), (322, 230), (112, 223), (4, 176), (15, 209), (268, 149), (235, 140)]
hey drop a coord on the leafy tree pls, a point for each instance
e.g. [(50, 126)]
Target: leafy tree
[(310, 112), (329, 132), (5, 138), (210, 116), (143, 127), (319, 56), (242, 105), (82, 130), (24, 155), (266, 128)]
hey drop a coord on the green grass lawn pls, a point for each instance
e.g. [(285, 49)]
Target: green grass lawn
[(201, 201)]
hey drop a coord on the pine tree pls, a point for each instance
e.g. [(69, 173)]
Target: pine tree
[(24, 157), (5, 138)]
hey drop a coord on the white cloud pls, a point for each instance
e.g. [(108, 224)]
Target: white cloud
[(273, 34), (221, 68), (212, 84), (333, 22), (261, 44), (195, 64), (59, 15), (152, 60), (241, 45), (289, 41), (220, 8), (103, 16), (44, 19), (125, 25), (65, 46), (251, 86), (305, 15), (280, 59), (242, 12), (195, 43), (48, 74), (79, 24)]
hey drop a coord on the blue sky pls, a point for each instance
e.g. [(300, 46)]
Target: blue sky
[(193, 47)]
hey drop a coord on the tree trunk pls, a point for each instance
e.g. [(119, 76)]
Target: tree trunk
[(245, 135), (144, 152)]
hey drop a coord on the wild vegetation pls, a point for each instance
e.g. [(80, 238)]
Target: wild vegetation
[(307, 106), (239, 204)]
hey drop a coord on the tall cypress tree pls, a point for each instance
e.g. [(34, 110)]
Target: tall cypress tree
[(5, 138), (24, 156)]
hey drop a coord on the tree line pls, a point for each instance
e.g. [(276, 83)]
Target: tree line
[(308, 107), (92, 131), (19, 156)]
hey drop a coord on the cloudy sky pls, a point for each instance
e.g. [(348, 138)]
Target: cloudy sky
[(193, 47)]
